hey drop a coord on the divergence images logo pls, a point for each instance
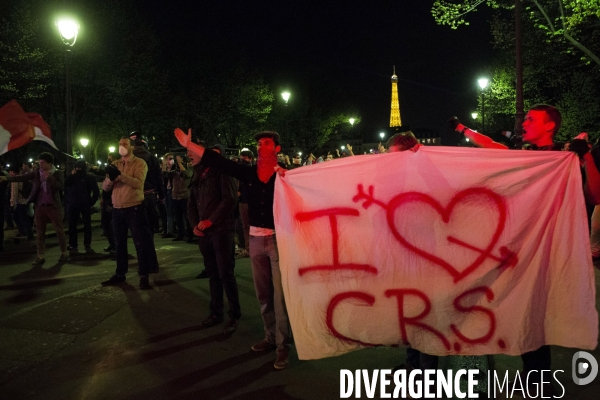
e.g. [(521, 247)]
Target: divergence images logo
[(584, 363)]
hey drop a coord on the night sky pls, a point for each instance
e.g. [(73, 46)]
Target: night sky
[(355, 45)]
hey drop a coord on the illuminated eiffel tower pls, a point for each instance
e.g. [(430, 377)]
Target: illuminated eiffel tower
[(395, 120)]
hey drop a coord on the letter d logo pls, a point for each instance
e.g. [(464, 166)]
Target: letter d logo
[(580, 367)]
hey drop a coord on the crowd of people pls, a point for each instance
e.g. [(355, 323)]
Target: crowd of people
[(205, 197)]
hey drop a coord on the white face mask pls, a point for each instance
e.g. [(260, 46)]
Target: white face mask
[(123, 151)]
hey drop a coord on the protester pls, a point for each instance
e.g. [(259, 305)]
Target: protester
[(125, 177), (48, 183), (180, 179), (210, 209), (153, 188), (263, 244), (82, 194), (168, 162), (540, 126)]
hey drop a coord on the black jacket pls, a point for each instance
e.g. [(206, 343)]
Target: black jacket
[(213, 196), (154, 176), (260, 199), (81, 190)]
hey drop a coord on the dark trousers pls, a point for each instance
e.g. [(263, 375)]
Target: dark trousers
[(24, 221), (219, 260), (73, 216), (417, 360), (181, 219), (151, 210), (106, 221), (536, 360), (136, 220)]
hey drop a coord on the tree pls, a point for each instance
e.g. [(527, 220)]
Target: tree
[(566, 19)]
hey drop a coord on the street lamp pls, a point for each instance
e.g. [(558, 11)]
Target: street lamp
[(68, 29), (84, 142), (286, 97), (351, 120), (382, 135), (483, 83), (474, 115), (111, 149)]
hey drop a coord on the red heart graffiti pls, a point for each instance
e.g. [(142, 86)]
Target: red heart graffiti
[(482, 196)]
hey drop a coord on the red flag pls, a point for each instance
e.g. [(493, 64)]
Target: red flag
[(17, 128)]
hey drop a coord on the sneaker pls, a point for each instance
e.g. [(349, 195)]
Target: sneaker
[(144, 283), (283, 358), (230, 326), (212, 320), (38, 261), (263, 345), (202, 275), (114, 280), (63, 257)]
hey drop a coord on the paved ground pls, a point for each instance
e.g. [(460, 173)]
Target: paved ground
[(63, 336)]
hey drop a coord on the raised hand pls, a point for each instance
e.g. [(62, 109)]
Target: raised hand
[(183, 139)]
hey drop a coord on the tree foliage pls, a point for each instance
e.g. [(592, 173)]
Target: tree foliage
[(567, 20)]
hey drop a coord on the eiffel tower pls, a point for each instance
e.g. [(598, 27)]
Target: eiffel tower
[(395, 120)]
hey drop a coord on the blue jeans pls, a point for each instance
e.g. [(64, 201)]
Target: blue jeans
[(136, 220), (264, 258), (219, 260)]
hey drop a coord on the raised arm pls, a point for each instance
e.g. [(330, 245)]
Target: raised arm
[(477, 138)]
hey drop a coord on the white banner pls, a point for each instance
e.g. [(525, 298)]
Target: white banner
[(449, 250)]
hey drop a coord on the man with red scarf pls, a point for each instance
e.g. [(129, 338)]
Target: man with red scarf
[(263, 243)]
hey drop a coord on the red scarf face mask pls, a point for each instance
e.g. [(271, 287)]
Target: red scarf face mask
[(266, 163)]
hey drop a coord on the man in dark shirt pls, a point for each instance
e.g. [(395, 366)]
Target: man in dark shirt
[(263, 244), (210, 207), (82, 193)]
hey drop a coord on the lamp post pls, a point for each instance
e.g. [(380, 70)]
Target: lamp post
[(474, 115), (483, 83), (111, 149), (68, 30), (382, 135), (286, 96)]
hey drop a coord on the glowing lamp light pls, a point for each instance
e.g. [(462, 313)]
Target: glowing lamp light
[(382, 135), (31, 160), (111, 149), (68, 29), (351, 120), (483, 82), (285, 96), (99, 162), (300, 153), (84, 142), (343, 147), (245, 149), (467, 139), (81, 156), (474, 115)]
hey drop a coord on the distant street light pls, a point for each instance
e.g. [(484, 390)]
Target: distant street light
[(111, 149), (474, 115), (84, 142), (483, 83), (351, 120), (286, 97), (382, 135), (343, 147), (68, 29)]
